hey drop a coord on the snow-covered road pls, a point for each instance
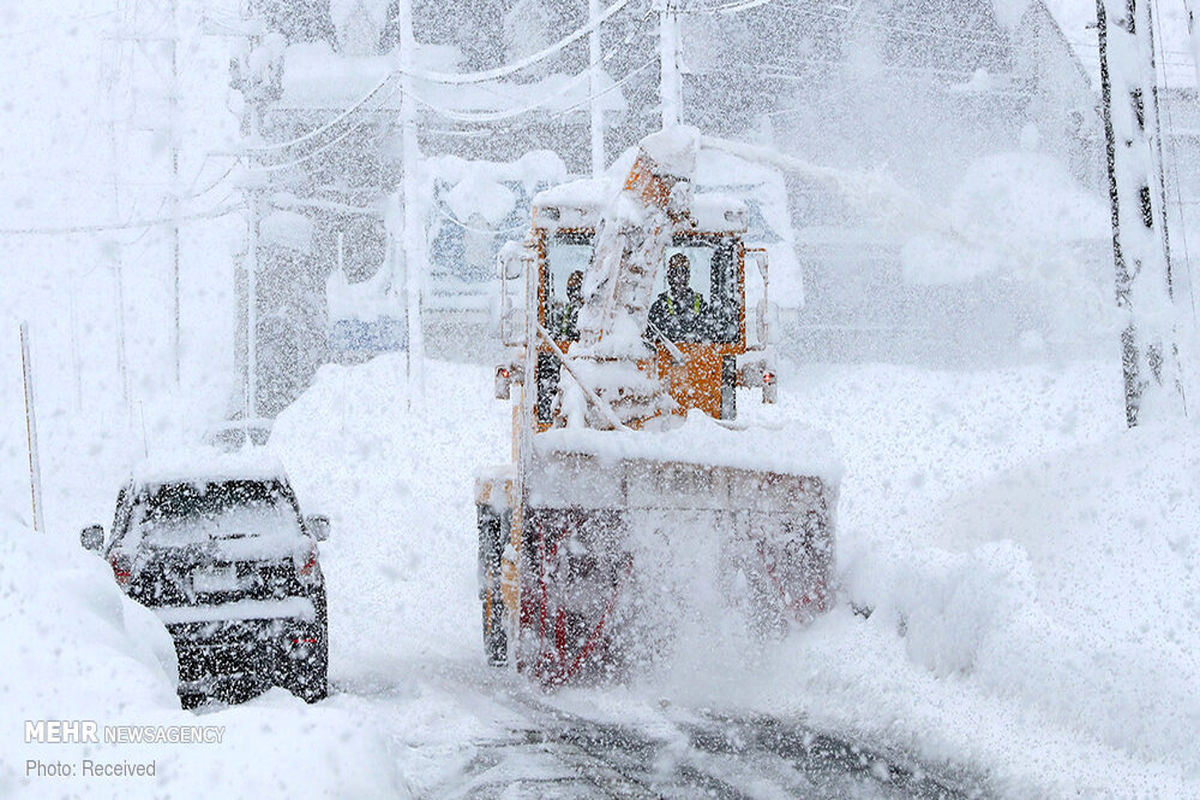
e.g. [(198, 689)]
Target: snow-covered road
[(528, 743), (986, 517)]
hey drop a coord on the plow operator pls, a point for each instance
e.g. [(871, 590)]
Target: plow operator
[(680, 312)]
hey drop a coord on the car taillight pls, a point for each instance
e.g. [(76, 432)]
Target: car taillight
[(768, 377), (121, 569), (308, 569)]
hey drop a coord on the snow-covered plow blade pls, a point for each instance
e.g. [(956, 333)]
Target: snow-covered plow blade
[(617, 551)]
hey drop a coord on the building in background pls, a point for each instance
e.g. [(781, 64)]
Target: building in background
[(984, 125)]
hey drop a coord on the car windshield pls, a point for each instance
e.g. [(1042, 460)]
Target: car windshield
[(177, 514), (709, 314)]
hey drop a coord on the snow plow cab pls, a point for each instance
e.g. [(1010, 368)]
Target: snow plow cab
[(635, 502)]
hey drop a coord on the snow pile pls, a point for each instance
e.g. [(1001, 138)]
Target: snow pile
[(673, 150), (396, 483), (75, 648), (1031, 567)]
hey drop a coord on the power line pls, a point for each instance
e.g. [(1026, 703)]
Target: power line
[(318, 131), (726, 8), (120, 226), (318, 150), (496, 116), (516, 66)]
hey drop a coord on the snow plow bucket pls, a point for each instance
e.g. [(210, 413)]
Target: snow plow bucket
[(620, 549)]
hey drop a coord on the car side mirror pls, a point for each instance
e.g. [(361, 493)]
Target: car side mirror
[(92, 538), (762, 262), (318, 526), (766, 319)]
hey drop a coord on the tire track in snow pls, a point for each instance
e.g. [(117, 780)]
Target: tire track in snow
[(679, 754)]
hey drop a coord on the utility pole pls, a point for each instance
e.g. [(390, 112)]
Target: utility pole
[(414, 230), (148, 43), (257, 90), (594, 89), (668, 47), (1137, 192), (112, 81)]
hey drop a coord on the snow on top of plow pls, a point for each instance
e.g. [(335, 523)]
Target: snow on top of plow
[(673, 150), (789, 448)]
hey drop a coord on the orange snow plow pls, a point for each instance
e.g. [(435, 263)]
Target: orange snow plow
[(635, 501)]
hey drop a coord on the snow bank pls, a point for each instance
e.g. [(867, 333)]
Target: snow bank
[(1032, 568), (75, 648), (397, 483)]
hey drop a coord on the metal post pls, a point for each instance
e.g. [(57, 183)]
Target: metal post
[(35, 467), (594, 89), (117, 266), (414, 232), (669, 89), (173, 133), (1141, 250), (252, 306)]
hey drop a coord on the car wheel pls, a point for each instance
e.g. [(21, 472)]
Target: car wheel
[(193, 700), (309, 676), (495, 641), (310, 680)]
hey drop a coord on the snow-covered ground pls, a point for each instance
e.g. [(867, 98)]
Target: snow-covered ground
[(1032, 567)]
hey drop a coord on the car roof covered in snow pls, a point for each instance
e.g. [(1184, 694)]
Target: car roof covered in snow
[(208, 464)]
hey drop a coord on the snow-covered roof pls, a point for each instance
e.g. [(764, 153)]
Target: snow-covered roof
[(207, 464), (581, 203), (287, 229), (535, 168)]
